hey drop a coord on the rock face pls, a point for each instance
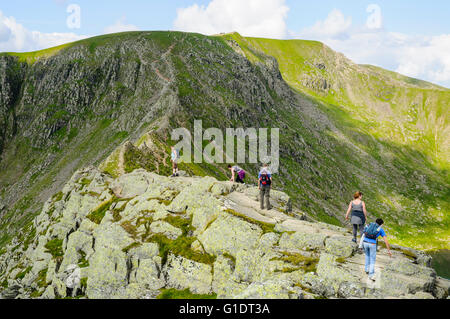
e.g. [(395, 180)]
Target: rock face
[(141, 233)]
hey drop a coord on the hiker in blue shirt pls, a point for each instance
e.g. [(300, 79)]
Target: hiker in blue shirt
[(264, 185), (371, 233)]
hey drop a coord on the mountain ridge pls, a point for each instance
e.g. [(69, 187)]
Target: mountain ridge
[(146, 236), (105, 85)]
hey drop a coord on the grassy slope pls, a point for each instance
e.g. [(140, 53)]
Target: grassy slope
[(381, 112), (405, 110)]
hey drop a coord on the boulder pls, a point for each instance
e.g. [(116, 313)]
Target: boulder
[(348, 290), (73, 276), (78, 242), (182, 273), (108, 271), (11, 292), (224, 283), (297, 240), (147, 274), (222, 188), (161, 227), (316, 285), (132, 184), (271, 289), (395, 284), (332, 274), (225, 234), (420, 295), (339, 246), (278, 200)]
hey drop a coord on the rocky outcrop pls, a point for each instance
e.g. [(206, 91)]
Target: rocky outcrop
[(141, 233), (12, 75)]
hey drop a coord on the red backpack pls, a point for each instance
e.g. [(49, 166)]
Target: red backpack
[(265, 180)]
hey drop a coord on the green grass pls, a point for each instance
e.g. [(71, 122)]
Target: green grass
[(82, 262), (129, 228), (182, 245), (57, 197), (97, 214), (54, 247), (307, 264), (131, 246), (41, 279), (266, 227), (22, 274), (32, 57), (83, 283), (36, 294), (185, 224), (183, 294), (85, 182), (29, 232)]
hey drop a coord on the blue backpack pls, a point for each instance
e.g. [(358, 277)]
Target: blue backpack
[(371, 231)]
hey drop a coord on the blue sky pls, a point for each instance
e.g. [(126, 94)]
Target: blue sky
[(409, 16), (411, 37)]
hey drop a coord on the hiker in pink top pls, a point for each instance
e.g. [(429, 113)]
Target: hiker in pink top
[(237, 174)]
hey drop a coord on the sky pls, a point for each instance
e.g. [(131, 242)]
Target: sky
[(407, 36)]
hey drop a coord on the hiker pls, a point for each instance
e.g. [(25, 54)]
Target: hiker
[(174, 156), (264, 185), (371, 233), (237, 174), (359, 214)]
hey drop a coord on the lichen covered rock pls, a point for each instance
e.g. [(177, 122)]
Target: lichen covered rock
[(182, 273), (141, 233)]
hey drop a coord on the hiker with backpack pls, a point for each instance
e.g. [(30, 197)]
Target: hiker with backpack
[(237, 174), (359, 214), (369, 241), (174, 156), (264, 185)]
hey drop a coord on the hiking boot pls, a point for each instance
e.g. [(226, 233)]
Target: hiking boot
[(354, 240)]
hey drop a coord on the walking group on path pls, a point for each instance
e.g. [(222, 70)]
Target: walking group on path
[(264, 182), (369, 233)]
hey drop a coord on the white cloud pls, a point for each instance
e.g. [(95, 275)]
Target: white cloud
[(335, 25), (258, 18), (14, 37), (422, 57), (120, 26), (429, 58)]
